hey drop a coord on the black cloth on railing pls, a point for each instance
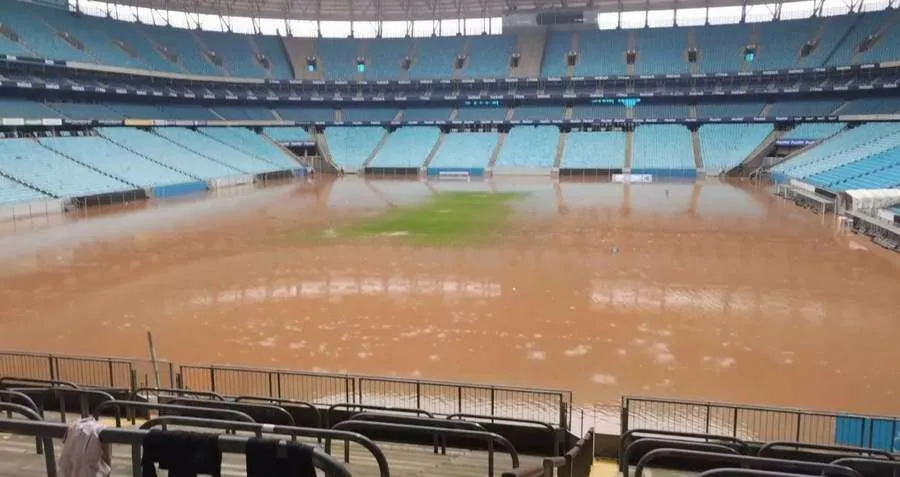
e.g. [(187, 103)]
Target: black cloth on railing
[(182, 453), (271, 458)]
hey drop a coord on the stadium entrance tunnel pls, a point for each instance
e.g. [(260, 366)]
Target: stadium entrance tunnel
[(110, 198)]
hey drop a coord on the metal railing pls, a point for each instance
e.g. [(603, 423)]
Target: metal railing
[(131, 406), (759, 463), (43, 444), (757, 424), (545, 405), (86, 370), (576, 462)]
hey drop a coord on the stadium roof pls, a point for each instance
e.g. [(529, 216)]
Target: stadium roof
[(387, 10)]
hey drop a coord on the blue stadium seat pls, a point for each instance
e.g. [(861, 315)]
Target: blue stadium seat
[(351, 146), (25, 108), (116, 161), (84, 111), (730, 109), (559, 43), (384, 58), (273, 50), (254, 145), (181, 43), (539, 112), (38, 36), (12, 192), (872, 106), (304, 113), (435, 57), (236, 52), (476, 113), (167, 153), (407, 147), (207, 147), (804, 107), (287, 135), (724, 146), (602, 53), (662, 147), (598, 111), (813, 131), (662, 50), (338, 57), (646, 110), (367, 113), (465, 150), (721, 47), (27, 161), (244, 113), (489, 56), (529, 147), (426, 114), (594, 150), (779, 43)]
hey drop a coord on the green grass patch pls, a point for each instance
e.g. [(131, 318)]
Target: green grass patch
[(447, 218)]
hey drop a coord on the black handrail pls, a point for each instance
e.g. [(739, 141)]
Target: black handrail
[(134, 437), (766, 462), (851, 461), (732, 472), (46, 442), (150, 406), (178, 392), (418, 421), (553, 431), (548, 464), (625, 459), (247, 407), (489, 437), (60, 394), (51, 382), (38, 445), (845, 449), (372, 407), (294, 432), (288, 402), (627, 435)]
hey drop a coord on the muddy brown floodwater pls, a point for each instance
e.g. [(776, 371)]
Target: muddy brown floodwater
[(709, 290)]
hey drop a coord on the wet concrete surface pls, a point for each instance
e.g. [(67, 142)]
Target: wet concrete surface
[(708, 291)]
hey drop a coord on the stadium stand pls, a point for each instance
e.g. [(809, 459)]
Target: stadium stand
[(848, 146), (662, 49), (730, 109), (662, 147), (488, 56), (205, 146), (434, 57), (859, 29), (879, 170), (351, 146), (721, 48), (184, 46), (25, 108), (136, 110), (235, 52), (12, 192), (39, 37), (297, 113), (594, 150), (167, 153), (187, 112), (426, 114), (724, 146), (602, 53), (287, 135), (384, 58), (84, 110), (252, 144), (538, 112), (468, 150), (803, 107), (244, 113), (598, 111), (529, 147), (364, 113), (813, 131), (475, 113), (28, 162), (407, 147), (872, 106), (779, 43), (106, 157), (660, 110), (338, 57), (559, 44)]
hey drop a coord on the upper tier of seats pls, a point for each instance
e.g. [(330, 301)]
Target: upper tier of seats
[(867, 156), (31, 30), (529, 146)]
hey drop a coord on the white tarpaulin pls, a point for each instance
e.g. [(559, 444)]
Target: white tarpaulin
[(873, 199)]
